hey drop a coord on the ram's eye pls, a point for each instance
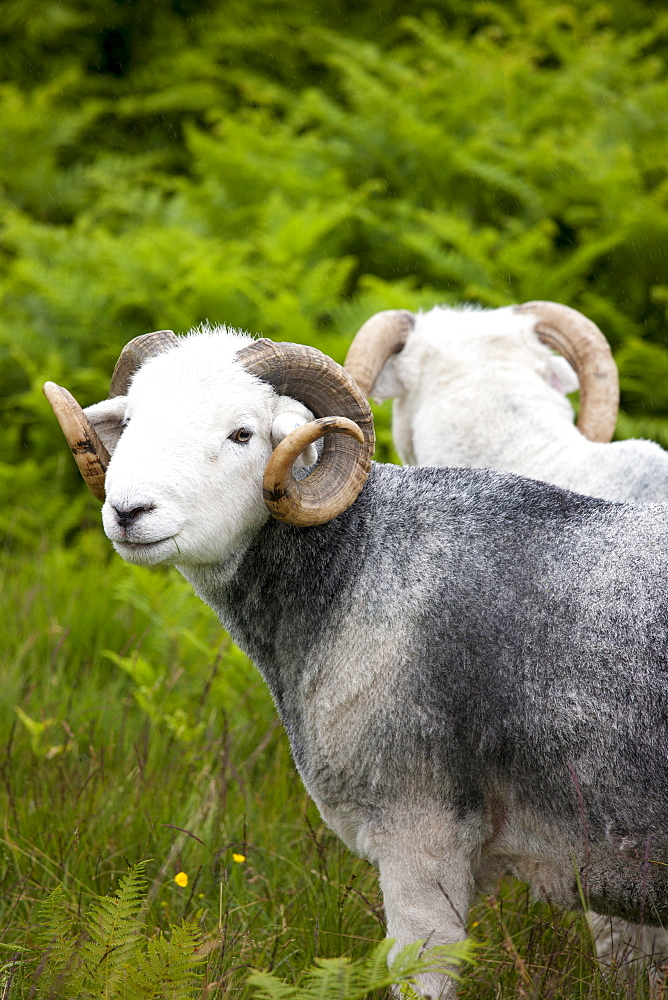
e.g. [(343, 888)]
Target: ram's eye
[(242, 435)]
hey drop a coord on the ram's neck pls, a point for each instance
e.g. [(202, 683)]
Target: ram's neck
[(286, 593), (519, 424)]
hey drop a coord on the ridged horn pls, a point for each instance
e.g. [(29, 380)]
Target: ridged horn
[(329, 392), (133, 356), (585, 348), (89, 452), (376, 340)]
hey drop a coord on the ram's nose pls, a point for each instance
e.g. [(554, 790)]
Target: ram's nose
[(126, 516)]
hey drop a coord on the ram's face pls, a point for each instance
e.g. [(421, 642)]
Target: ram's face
[(189, 444), (198, 443)]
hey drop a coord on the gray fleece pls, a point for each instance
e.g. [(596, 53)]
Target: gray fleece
[(494, 646)]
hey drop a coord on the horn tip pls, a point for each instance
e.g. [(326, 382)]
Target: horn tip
[(54, 393)]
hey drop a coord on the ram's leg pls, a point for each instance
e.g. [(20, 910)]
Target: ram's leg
[(629, 949), (427, 887)]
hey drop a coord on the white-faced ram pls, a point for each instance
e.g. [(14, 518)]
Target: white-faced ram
[(481, 388), (471, 667)]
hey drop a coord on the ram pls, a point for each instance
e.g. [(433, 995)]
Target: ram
[(471, 667), (482, 389)]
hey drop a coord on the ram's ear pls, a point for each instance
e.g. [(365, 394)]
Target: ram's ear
[(289, 416), (388, 384), (561, 376), (107, 418)]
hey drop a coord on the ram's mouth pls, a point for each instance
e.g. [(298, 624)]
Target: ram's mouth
[(147, 552), (135, 544)]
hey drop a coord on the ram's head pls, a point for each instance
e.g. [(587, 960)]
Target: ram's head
[(198, 442), (371, 359)]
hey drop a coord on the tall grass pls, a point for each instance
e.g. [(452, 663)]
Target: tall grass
[(135, 731)]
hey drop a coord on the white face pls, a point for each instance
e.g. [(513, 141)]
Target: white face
[(184, 484)]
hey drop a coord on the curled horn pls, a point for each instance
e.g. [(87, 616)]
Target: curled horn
[(583, 345), (89, 452), (343, 418), (380, 337), (134, 354)]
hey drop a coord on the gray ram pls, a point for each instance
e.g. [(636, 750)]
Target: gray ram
[(472, 668), (482, 388)]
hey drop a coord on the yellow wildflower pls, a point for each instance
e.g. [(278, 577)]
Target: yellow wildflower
[(181, 879), (239, 858)]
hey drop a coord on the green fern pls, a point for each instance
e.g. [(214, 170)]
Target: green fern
[(58, 958), (164, 969), (112, 957), (525, 159), (344, 979), (114, 931)]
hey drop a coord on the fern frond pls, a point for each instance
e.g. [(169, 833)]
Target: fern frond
[(116, 962), (167, 968), (114, 930), (343, 979), (272, 988), (59, 956)]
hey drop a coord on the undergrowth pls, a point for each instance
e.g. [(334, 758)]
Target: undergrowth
[(108, 953), (105, 953)]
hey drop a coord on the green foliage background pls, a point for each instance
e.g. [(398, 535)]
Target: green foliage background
[(287, 168)]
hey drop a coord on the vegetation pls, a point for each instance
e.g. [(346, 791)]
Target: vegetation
[(285, 168)]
